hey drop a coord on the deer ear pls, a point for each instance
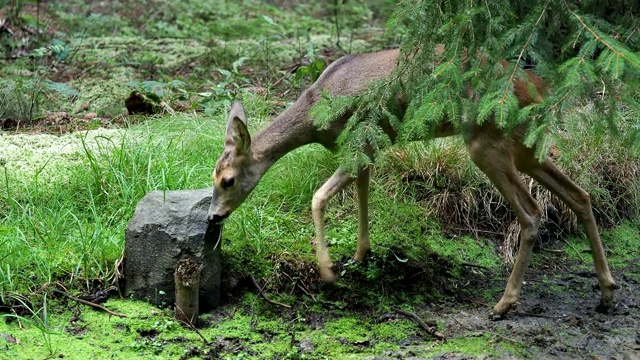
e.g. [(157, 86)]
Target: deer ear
[(237, 133)]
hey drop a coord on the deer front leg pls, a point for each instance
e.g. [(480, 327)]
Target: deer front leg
[(338, 181), (362, 182), (529, 215)]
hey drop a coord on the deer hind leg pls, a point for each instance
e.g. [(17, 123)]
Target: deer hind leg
[(579, 201), (338, 181), (362, 183), (495, 158)]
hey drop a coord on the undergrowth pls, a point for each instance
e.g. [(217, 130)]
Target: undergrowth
[(197, 43)]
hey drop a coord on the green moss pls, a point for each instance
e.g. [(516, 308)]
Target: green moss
[(467, 250), (349, 329), (253, 332), (394, 332), (622, 245), (472, 345)]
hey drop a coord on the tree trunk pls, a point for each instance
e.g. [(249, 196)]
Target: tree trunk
[(187, 279)]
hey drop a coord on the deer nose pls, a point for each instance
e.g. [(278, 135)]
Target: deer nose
[(217, 219)]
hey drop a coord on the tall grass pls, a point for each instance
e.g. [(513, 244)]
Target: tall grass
[(442, 178), (69, 226)]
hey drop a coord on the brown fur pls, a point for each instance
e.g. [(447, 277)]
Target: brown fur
[(499, 156)]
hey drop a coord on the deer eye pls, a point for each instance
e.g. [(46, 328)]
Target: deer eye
[(227, 183)]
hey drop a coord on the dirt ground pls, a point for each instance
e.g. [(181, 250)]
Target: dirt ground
[(556, 318)]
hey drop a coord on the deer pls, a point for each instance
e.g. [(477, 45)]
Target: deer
[(245, 159)]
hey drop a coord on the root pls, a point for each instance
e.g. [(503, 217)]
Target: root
[(415, 318)]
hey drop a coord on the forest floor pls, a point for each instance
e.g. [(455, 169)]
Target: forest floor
[(192, 58)]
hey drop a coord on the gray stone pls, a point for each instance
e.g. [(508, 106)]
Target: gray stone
[(306, 346), (168, 226)]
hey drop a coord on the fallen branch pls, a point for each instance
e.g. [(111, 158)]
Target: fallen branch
[(474, 265), (415, 318), (89, 303), (264, 296), (191, 326), (306, 292)]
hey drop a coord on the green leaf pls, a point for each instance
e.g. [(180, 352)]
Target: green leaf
[(269, 20), (61, 88), (236, 64)]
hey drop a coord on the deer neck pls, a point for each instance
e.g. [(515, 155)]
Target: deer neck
[(286, 133)]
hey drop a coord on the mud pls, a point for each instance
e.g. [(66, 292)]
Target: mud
[(556, 318)]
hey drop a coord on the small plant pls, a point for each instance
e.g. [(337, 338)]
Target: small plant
[(266, 39), (150, 97), (24, 94), (225, 90), (39, 319), (165, 325), (156, 90), (313, 68)]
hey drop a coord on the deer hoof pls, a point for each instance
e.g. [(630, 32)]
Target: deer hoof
[(605, 305), (351, 262), (606, 301), (502, 308), (496, 317)]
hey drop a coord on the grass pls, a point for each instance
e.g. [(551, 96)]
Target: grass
[(195, 42), (69, 224)]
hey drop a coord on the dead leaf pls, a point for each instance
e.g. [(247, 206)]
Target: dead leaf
[(10, 339)]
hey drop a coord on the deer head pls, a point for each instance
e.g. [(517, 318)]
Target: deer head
[(236, 172)]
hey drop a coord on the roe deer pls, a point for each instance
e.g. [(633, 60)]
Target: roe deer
[(245, 160)]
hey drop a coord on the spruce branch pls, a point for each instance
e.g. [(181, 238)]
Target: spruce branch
[(507, 90)]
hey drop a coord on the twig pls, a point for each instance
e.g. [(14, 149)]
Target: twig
[(415, 318), (190, 325), (89, 303), (478, 231), (479, 302), (513, 341), (264, 296), (594, 34), (461, 324), (18, 318), (306, 292), (474, 265)]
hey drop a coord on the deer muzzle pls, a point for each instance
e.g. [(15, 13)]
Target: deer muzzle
[(217, 218)]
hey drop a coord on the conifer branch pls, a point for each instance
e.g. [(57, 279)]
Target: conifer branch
[(593, 33), (506, 92)]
